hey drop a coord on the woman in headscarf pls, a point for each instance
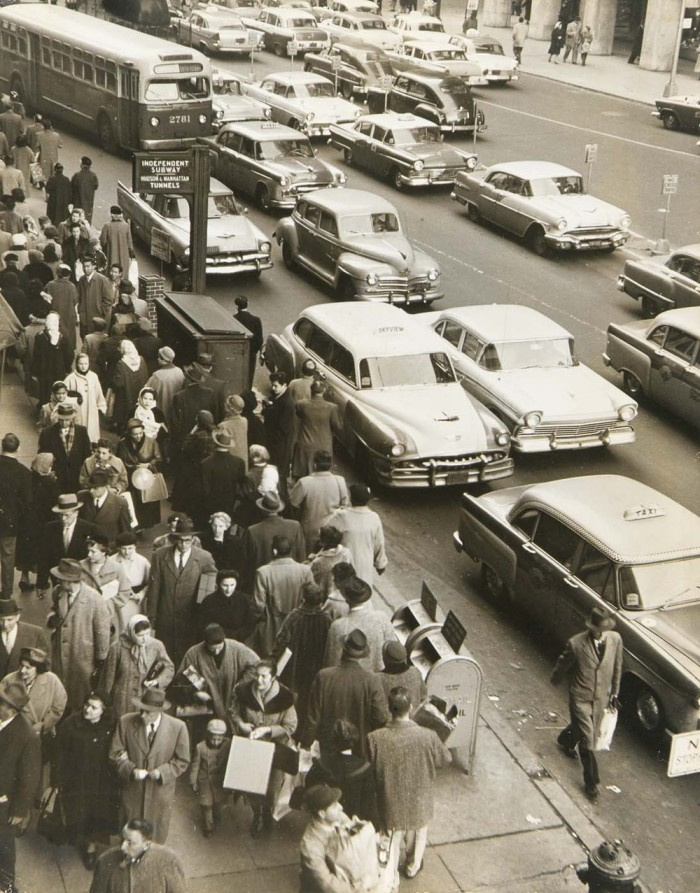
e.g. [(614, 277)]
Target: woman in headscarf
[(137, 569), (136, 450), (135, 662), (237, 426), (187, 487), (45, 492), (252, 414), (130, 375), (92, 402), (52, 357), (152, 417), (231, 608)]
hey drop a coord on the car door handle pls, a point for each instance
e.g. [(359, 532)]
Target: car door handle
[(571, 582), (528, 547)]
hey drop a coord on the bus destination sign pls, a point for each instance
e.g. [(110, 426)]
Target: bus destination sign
[(160, 172)]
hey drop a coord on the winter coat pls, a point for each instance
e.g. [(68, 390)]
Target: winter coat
[(122, 680), (220, 680), (47, 700), (117, 244), (277, 592), (169, 753), (59, 195), (49, 142), (50, 363), (318, 495), (276, 710), (258, 542), (112, 517), (84, 184), (411, 679), (317, 421), (20, 765), (166, 381), (207, 772), (90, 389), (234, 613), (363, 534), (355, 778), (127, 385), (157, 871), (66, 466), (28, 636), (107, 574), (374, 624)]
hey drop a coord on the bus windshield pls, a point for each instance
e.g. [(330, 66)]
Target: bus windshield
[(169, 90)]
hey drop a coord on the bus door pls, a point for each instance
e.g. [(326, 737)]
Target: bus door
[(129, 107), (33, 86)]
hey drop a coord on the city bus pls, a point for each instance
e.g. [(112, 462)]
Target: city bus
[(129, 90)]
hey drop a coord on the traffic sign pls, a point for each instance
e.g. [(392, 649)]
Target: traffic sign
[(684, 757), (163, 172), (472, 5), (591, 153), (336, 62), (670, 184), (160, 244)]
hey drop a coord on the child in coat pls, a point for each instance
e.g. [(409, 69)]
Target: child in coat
[(207, 773)]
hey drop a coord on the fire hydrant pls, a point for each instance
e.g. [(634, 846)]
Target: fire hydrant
[(611, 868)]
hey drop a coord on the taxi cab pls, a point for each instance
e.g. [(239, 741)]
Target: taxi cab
[(406, 421), (556, 550)]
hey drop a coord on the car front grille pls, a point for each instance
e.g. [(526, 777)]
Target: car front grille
[(593, 231), (448, 470), (588, 428), (234, 257)]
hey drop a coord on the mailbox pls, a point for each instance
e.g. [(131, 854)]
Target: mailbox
[(417, 615), (195, 324), (454, 676)]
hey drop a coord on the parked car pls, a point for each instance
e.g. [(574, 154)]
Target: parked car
[(406, 421), (557, 550), (304, 101), (447, 102), (354, 242), (230, 103), (287, 31), (439, 59), (659, 360), (663, 283), (234, 244), (545, 204), (353, 69), (496, 67), (269, 162), (404, 148), (362, 28), (418, 26), (348, 6), (216, 30), (679, 112), (523, 366)]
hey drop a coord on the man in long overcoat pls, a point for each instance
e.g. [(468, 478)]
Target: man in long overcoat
[(64, 538), (318, 495), (49, 143), (363, 533), (257, 544), (187, 403), (116, 240), (70, 445), (171, 597), (347, 691), (103, 508), (166, 381), (280, 427), (138, 865), (85, 184), (59, 195), (94, 296), (317, 421), (64, 301), (149, 751), (80, 621), (592, 662), (15, 498), (15, 635)]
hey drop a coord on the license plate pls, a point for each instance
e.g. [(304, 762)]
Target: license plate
[(598, 243), (457, 477)]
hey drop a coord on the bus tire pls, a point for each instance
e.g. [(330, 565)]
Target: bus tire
[(105, 134)]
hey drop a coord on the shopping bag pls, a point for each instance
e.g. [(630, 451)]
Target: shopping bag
[(352, 852), (249, 765), (133, 276), (607, 729), (52, 820), (157, 490), (36, 175)]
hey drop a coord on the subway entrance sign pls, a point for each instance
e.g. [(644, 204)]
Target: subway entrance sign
[(163, 172), (684, 758)]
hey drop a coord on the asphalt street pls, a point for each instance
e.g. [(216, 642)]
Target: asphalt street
[(537, 119)]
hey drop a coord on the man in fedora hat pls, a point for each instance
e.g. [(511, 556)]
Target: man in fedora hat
[(165, 382), (20, 765), (70, 445), (317, 495), (148, 752), (115, 239), (280, 427), (80, 622), (349, 692), (138, 865), (188, 402), (66, 537), (15, 497), (592, 663), (171, 597), (15, 635), (363, 533), (257, 544), (254, 325), (374, 624), (222, 475), (84, 184), (102, 507), (221, 388)]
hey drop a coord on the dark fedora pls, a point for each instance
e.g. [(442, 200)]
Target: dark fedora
[(600, 620), (14, 694), (9, 607), (183, 527), (356, 591), (67, 502), (270, 503), (151, 699), (206, 361), (194, 373), (100, 477), (65, 411), (223, 439), (395, 657), (356, 645), (68, 569), (134, 423)]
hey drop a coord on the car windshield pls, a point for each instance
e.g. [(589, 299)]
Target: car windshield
[(432, 26), (314, 90), (492, 48), (572, 185), (233, 26), (302, 22), (412, 369), (370, 224), (227, 88), (171, 90), (666, 584), (374, 25), (273, 149), (545, 354), (221, 206), (446, 55), (379, 69), (457, 89), (416, 135)]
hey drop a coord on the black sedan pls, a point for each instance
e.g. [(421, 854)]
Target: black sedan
[(679, 112)]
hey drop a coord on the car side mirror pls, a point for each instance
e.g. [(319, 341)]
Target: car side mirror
[(631, 600)]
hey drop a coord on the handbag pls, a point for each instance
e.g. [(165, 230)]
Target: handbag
[(352, 852), (156, 491), (606, 731), (52, 819)]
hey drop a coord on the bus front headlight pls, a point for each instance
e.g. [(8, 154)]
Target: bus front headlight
[(154, 122), (202, 119)]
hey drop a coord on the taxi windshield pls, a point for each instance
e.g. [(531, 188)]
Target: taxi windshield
[(374, 25), (545, 354), (492, 48), (227, 88), (221, 206), (572, 185), (301, 22), (314, 89), (411, 135), (169, 90), (411, 370), (370, 224), (665, 584), (446, 55), (432, 26), (269, 151)]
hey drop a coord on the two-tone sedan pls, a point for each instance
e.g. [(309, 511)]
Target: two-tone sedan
[(543, 203), (405, 149), (437, 59), (229, 103), (215, 30), (287, 31), (354, 242), (362, 28), (679, 112), (496, 67), (523, 367), (234, 244), (269, 162), (663, 283), (418, 26), (304, 101), (557, 550), (405, 420), (447, 102), (353, 69), (660, 360)]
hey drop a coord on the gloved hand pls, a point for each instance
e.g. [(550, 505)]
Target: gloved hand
[(614, 703)]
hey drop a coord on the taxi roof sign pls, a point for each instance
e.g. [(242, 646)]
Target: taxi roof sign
[(641, 512)]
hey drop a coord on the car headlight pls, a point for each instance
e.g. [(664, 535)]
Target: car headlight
[(310, 116), (561, 224), (372, 279), (265, 247), (285, 181), (433, 275), (341, 178), (418, 165), (267, 112), (219, 113), (357, 112), (625, 221), (202, 119), (154, 122), (627, 412), (503, 438), (398, 449), (533, 419), (472, 163)]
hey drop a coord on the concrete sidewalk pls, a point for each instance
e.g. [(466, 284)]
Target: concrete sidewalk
[(506, 828)]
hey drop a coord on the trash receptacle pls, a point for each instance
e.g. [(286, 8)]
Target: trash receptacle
[(417, 615)]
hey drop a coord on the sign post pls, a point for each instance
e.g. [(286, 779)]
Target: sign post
[(591, 158), (669, 187)]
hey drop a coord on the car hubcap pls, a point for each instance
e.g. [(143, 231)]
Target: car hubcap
[(648, 710)]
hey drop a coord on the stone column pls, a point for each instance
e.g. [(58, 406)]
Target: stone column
[(660, 33), (543, 18), (600, 15), (496, 13)]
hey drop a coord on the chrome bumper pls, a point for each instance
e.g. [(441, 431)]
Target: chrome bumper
[(547, 443)]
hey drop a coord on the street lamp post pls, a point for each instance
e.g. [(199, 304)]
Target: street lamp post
[(670, 88)]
